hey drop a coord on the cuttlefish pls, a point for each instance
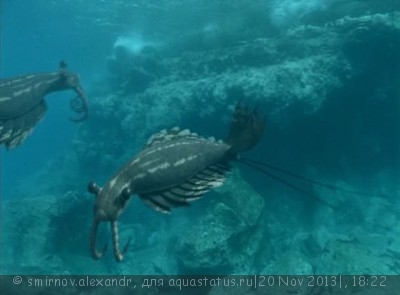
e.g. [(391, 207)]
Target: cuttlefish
[(22, 103)]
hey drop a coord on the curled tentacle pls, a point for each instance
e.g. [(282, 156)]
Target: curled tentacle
[(119, 256), (93, 234), (79, 104)]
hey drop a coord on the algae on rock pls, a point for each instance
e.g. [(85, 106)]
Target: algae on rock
[(228, 234)]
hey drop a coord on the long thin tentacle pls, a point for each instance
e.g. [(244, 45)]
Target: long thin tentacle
[(93, 236), (305, 179), (119, 256), (308, 193)]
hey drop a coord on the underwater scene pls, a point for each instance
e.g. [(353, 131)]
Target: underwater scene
[(180, 137)]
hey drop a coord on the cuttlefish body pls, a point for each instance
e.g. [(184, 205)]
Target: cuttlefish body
[(22, 103), (174, 168)]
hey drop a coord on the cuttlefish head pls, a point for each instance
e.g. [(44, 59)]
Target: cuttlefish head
[(108, 206)]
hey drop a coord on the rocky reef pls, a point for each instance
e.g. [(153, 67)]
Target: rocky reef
[(227, 237), (322, 64), (323, 87), (39, 234), (223, 237)]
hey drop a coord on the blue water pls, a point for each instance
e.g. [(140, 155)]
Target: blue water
[(351, 141)]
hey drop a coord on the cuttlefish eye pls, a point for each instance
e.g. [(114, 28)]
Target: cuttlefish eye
[(93, 188)]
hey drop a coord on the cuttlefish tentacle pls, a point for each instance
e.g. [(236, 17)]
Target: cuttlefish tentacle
[(119, 256), (93, 236)]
